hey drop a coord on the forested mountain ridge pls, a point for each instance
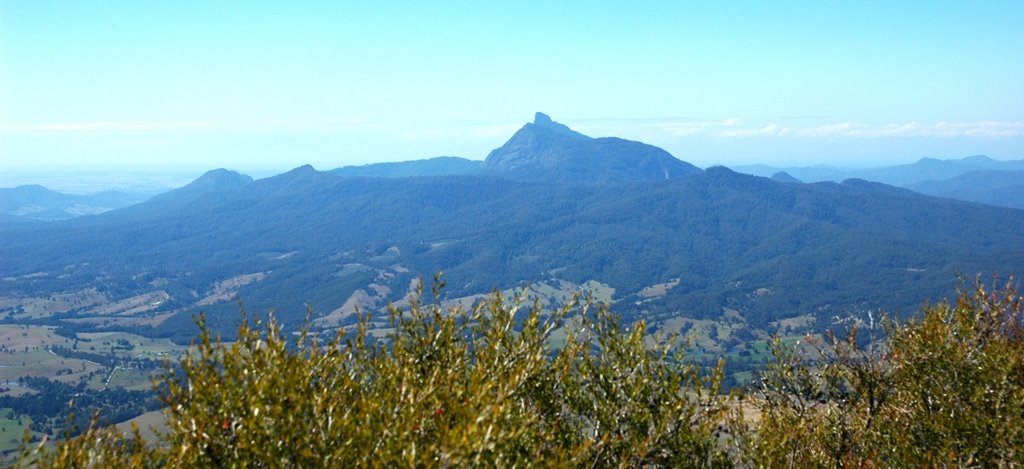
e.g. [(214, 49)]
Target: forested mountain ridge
[(974, 178), (999, 188), (904, 175), (437, 166), (548, 151), (694, 246)]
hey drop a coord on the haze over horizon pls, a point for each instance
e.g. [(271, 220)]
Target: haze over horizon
[(188, 86)]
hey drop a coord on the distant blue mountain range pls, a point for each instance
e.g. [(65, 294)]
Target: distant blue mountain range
[(974, 178), (662, 238), (35, 202)]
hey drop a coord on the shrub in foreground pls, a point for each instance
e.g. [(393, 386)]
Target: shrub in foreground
[(444, 388), (946, 389), (484, 388)]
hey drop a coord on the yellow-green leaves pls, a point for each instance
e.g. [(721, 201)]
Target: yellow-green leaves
[(944, 390), (448, 387)]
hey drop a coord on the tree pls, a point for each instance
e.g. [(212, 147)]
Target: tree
[(449, 387), (444, 387), (946, 389)]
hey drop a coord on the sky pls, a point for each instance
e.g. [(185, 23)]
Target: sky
[(262, 87)]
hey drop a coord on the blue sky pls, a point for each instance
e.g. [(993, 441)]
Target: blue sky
[(267, 86)]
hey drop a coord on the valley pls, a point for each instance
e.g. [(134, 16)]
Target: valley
[(92, 306)]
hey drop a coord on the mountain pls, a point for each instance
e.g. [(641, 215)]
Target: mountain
[(214, 181), (438, 166), (709, 244), (210, 184), (546, 151), (35, 202), (999, 188), (219, 179), (783, 176), (906, 175), (974, 178), (768, 250), (934, 169), (817, 173)]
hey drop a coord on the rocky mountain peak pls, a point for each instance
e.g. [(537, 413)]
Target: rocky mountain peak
[(545, 150)]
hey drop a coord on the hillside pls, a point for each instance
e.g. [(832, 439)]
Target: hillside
[(999, 188), (694, 246), (546, 151), (974, 178), (905, 175), (34, 202), (437, 166)]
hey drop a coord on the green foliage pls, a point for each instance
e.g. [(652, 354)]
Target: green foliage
[(944, 390), (483, 387), (960, 372), (97, 447), (446, 388)]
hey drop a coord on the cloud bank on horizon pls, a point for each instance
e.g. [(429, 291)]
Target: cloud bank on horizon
[(728, 128), (264, 87)]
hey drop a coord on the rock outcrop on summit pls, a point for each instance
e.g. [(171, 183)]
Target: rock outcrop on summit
[(548, 151)]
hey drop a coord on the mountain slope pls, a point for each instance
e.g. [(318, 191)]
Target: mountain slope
[(547, 151), (36, 202), (999, 188), (437, 166), (783, 176), (906, 175), (696, 246), (318, 238), (208, 186)]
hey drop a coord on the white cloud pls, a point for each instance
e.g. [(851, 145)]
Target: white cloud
[(994, 129), (461, 132), (986, 128), (734, 127), (164, 126), (768, 130), (653, 129), (697, 127)]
